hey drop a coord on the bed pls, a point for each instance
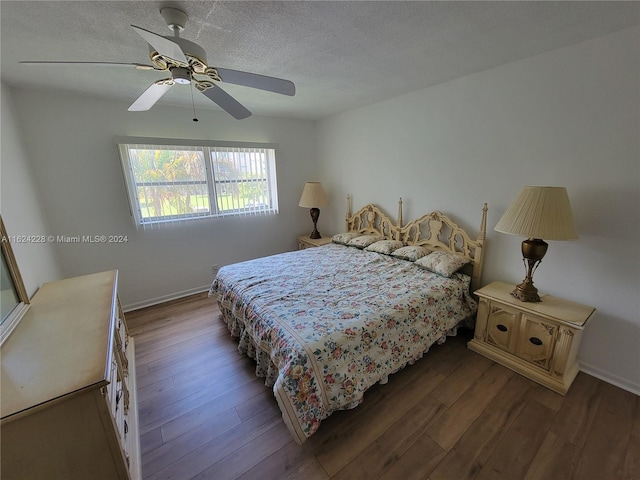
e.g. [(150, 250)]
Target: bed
[(324, 324)]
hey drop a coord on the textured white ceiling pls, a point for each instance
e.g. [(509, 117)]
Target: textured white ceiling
[(340, 55)]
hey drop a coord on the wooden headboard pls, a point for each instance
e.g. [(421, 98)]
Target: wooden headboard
[(371, 220), (434, 231)]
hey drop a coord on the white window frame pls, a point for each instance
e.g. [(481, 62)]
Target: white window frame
[(238, 151)]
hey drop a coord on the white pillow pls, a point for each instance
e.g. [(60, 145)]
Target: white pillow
[(344, 238), (364, 241), (384, 246), (410, 252), (443, 263)]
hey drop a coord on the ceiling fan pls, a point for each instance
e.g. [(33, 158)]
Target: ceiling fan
[(187, 63)]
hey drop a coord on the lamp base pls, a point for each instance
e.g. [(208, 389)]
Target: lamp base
[(315, 213), (526, 292), (533, 250)]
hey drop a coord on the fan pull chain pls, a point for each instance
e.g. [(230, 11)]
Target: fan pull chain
[(193, 103)]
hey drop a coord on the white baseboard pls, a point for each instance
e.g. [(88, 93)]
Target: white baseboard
[(165, 298), (608, 377)]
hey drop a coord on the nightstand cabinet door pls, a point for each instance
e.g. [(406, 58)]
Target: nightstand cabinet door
[(537, 341), (502, 327)]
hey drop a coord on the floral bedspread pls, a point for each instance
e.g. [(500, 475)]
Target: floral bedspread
[(324, 324)]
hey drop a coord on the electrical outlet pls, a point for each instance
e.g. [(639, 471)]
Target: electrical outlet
[(214, 269)]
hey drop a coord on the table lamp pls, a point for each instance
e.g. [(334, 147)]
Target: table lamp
[(537, 213), (314, 196)]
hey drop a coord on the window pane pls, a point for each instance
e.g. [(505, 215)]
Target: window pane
[(167, 166), (242, 195), (170, 182), (241, 179), (173, 199)]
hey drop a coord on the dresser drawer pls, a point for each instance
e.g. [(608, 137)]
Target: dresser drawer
[(121, 336), (119, 393)]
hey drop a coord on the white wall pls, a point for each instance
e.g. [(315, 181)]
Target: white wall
[(20, 204), (569, 117), (78, 175)]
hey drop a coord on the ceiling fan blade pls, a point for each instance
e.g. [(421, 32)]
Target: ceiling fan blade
[(149, 97), (163, 45), (227, 102), (253, 80), (139, 66)]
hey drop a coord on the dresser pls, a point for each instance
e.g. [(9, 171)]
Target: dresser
[(69, 407), (304, 241), (539, 340)]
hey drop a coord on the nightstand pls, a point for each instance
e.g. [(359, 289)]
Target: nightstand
[(305, 242), (539, 340)]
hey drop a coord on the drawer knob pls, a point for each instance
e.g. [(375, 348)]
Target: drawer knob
[(501, 327), (535, 341)]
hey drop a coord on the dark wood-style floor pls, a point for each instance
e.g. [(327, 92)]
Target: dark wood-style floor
[(452, 415)]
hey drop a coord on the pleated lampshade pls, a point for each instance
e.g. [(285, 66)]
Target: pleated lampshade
[(540, 212), (313, 196)]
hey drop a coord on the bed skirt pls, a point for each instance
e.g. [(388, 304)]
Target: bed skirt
[(268, 367)]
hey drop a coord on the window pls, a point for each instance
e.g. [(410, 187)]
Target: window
[(175, 182)]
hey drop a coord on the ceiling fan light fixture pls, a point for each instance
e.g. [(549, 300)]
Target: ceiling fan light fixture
[(181, 76)]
